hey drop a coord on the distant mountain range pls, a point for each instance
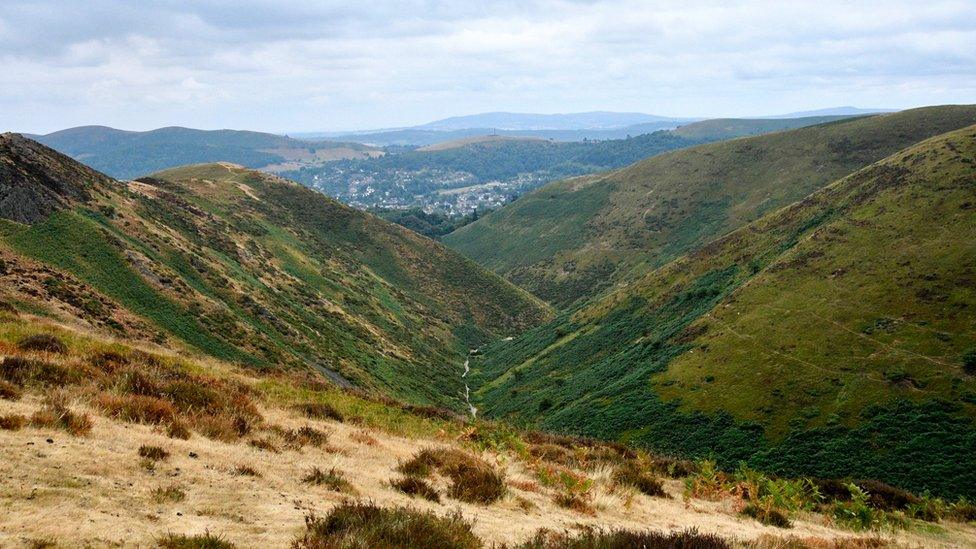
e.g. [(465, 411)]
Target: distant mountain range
[(596, 125)]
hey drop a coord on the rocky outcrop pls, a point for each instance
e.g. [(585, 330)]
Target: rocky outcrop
[(36, 181)]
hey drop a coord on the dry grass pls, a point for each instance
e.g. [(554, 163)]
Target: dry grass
[(246, 471), (12, 422), (170, 494), (9, 391), (363, 437), (57, 415), (631, 473)]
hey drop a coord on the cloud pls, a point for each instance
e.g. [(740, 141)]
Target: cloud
[(295, 65)]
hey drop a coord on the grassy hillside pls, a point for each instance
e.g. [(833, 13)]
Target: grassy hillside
[(834, 335), (630, 221), (128, 154), (104, 442), (252, 268), (729, 128)]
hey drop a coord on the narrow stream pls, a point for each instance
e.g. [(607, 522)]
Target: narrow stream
[(467, 390)]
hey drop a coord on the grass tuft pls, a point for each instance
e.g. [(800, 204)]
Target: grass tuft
[(473, 480), (12, 422), (624, 539), (154, 453), (171, 494), (199, 541), (320, 410), (357, 525), (332, 479), (9, 391), (413, 487), (43, 342)]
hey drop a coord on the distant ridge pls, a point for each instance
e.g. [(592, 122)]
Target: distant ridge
[(128, 154), (832, 111)]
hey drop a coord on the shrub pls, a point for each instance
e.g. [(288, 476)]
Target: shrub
[(304, 436), (768, 515), (9, 391), (320, 410), (178, 429), (199, 541), (624, 539), (24, 371), (707, 483), (928, 508), (969, 361), (136, 408), (264, 444), (57, 415), (413, 486), (472, 479), (631, 474), (43, 342), (246, 471), (217, 427), (172, 494), (154, 453), (12, 422), (963, 510), (332, 479), (856, 513), (886, 497), (356, 525)]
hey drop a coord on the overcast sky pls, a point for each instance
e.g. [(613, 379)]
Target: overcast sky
[(286, 66)]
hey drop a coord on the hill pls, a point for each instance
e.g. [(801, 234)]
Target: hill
[(574, 239), (835, 334), (717, 129), (457, 143), (250, 267), (128, 154)]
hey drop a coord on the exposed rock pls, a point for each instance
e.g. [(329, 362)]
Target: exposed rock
[(36, 181)]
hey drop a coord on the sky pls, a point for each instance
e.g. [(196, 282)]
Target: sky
[(300, 65)]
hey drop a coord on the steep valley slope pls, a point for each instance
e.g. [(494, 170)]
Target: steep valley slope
[(247, 267), (575, 239), (835, 336)]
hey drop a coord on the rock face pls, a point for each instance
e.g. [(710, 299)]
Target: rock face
[(36, 181)]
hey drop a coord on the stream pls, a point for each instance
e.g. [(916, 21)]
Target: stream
[(467, 390)]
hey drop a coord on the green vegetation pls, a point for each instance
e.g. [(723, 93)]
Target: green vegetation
[(432, 225), (639, 218), (251, 268), (787, 344)]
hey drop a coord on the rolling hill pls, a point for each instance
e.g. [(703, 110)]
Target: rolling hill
[(833, 336), (127, 154), (248, 267), (573, 239), (718, 129)]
